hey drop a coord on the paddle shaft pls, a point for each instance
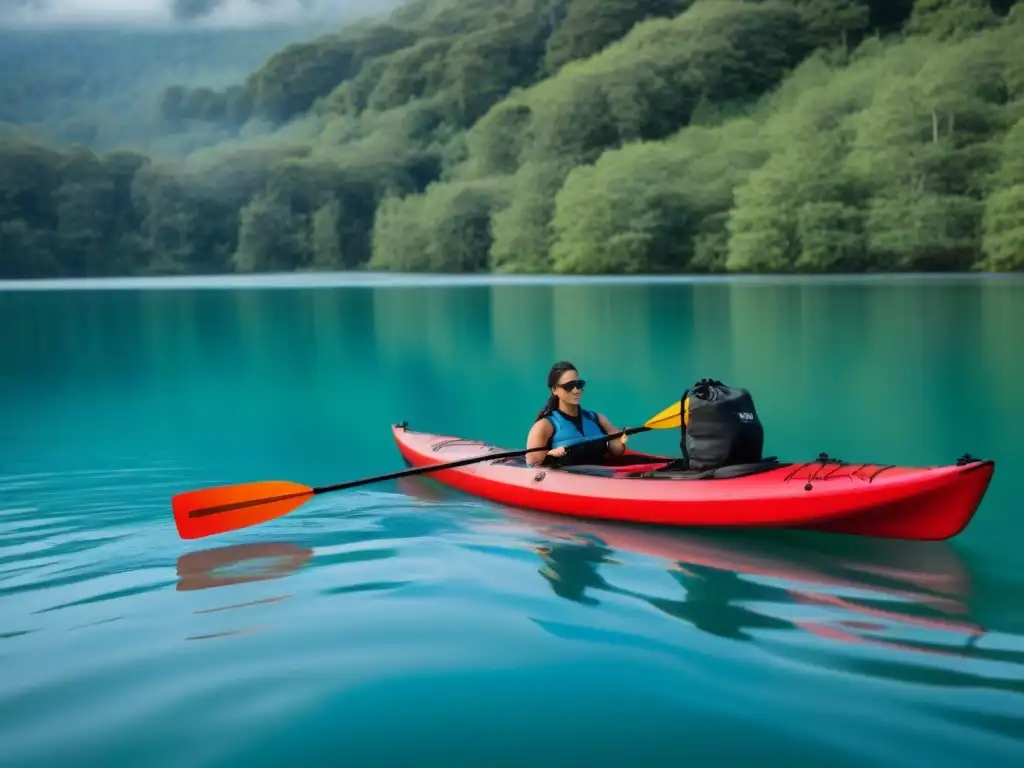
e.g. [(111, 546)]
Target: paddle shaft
[(464, 462), (401, 473)]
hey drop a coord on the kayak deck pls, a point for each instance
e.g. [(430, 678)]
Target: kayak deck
[(924, 503)]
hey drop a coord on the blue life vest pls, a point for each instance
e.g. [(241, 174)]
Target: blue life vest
[(567, 433)]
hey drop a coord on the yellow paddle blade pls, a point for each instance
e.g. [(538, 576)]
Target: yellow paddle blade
[(670, 418)]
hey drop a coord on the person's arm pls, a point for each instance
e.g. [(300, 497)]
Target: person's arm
[(616, 446), (540, 433)]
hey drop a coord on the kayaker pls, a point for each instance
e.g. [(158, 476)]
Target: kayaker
[(562, 422)]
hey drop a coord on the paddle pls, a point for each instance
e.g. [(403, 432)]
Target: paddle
[(224, 508)]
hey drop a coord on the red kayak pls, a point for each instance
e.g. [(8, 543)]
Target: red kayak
[(900, 502)]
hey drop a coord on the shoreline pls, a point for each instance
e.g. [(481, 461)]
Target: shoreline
[(307, 280)]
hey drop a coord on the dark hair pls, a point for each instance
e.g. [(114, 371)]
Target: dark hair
[(553, 376)]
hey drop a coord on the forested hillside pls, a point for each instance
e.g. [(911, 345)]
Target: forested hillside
[(575, 136)]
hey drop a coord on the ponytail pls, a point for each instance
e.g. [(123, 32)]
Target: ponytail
[(548, 409)]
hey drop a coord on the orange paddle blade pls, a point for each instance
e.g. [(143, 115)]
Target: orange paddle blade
[(229, 507)]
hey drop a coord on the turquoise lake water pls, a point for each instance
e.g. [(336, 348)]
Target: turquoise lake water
[(405, 624)]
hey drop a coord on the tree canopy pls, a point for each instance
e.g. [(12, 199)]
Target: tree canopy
[(570, 136)]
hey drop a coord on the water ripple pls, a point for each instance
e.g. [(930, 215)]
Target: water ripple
[(423, 605)]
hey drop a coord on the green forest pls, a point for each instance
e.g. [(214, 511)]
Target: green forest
[(541, 136)]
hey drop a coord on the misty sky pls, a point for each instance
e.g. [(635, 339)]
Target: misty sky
[(205, 13)]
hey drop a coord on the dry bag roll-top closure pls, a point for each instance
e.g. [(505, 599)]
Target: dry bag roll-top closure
[(720, 427)]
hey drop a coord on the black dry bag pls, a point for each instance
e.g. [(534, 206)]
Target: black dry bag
[(720, 427)]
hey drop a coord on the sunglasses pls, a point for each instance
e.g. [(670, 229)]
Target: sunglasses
[(575, 384)]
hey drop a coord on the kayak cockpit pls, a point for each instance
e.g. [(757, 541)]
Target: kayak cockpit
[(639, 466), (728, 472), (671, 470)]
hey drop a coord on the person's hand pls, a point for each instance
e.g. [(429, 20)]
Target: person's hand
[(623, 438), (556, 452)]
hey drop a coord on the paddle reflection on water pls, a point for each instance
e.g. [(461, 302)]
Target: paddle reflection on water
[(239, 564), (204, 569)]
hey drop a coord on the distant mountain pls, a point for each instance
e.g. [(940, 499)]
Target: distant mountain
[(171, 13)]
